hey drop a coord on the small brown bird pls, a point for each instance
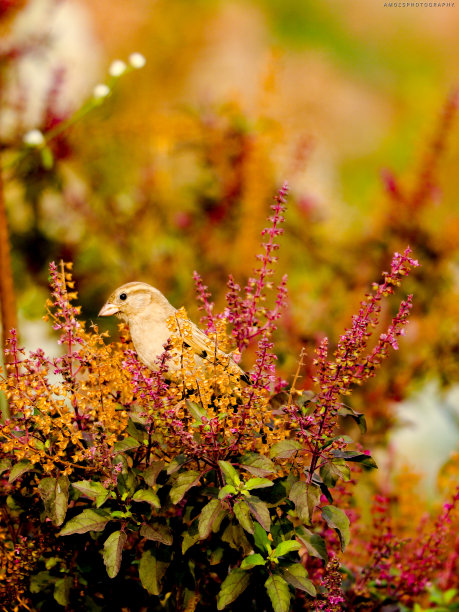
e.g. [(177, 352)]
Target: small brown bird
[(146, 311)]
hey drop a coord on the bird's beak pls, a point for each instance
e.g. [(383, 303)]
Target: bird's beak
[(108, 309)]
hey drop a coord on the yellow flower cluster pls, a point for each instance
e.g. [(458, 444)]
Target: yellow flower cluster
[(55, 404), (49, 434), (213, 383), (104, 392), (212, 393), (16, 562), (69, 413), (46, 429)]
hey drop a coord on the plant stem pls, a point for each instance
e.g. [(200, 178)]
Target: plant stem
[(7, 296)]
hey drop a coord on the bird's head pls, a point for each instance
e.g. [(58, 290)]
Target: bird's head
[(134, 300)]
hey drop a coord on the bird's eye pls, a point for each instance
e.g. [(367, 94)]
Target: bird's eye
[(123, 296)]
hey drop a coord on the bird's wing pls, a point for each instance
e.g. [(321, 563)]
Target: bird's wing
[(203, 346)]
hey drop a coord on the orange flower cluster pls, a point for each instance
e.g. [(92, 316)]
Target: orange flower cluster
[(64, 408)]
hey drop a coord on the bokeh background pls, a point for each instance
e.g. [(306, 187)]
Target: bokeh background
[(352, 103)]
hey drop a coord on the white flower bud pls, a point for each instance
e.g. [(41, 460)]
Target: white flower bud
[(137, 60), (34, 138), (101, 90), (117, 68)]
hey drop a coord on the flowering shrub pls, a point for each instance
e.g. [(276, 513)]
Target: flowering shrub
[(401, 570), (123, 489), (191, 175)]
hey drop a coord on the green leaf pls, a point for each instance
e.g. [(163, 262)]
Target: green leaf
[(51, 562), (151, 572), (305, 497), (328, 441), (102, 498), (157, 533), (337, 519), (62, 590), (148, 496), (331, 471), (258, 465), (39, 582), (358, 417), (258, 483), (306, 397), (317, 480), (126, 484), (88, 520), (234, 584), (282, 528), (230, 474), (93, 490), (176, 464), (121, 463), (124, 445), (196, 411), (275, 496), (226, 491), (113, 550), (190, 600), (252, 561), (54, 493), (190, 537), (235, 536), (362, 458), (89, 488), (152, 472), (39, 445), (286, 547), (313, 542), (20, 468), (285, 449), (242, 512), (183, 482), (299, 496), (260, 511), (136, 431), (278, 592), (297, 576), (210, 518), (119, 514), (5, 464), (313, 498), (216, 556), (260, 537)]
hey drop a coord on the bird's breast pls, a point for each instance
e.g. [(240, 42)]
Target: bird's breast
[(149, 337)]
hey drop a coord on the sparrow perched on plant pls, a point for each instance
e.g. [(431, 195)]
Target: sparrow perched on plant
[(146, 311)]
